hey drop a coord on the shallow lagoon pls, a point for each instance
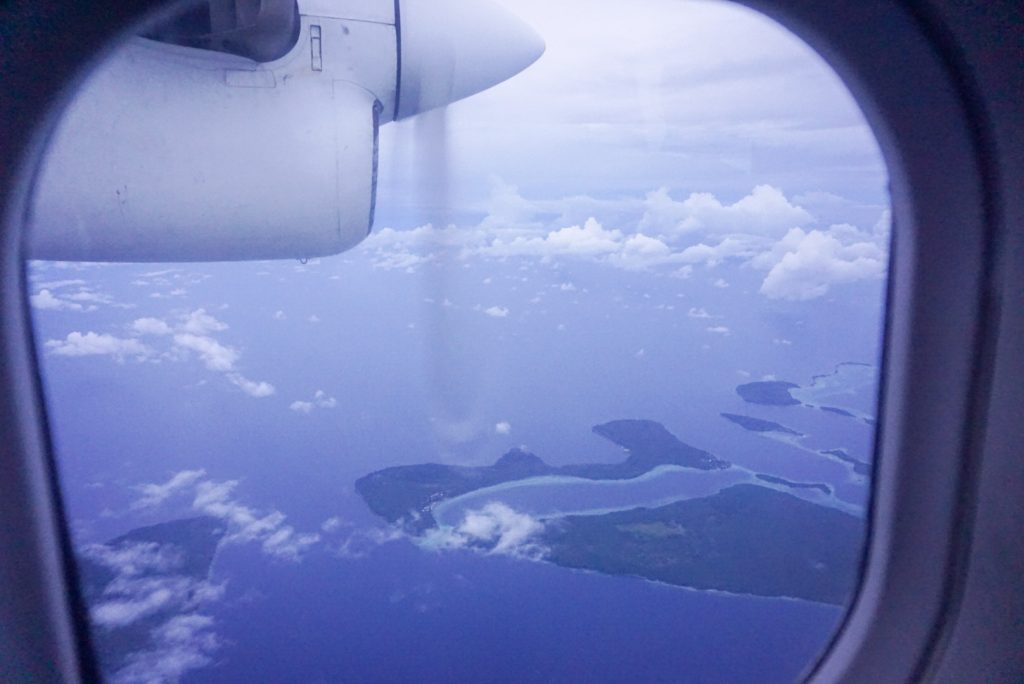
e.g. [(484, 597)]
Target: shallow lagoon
[(556, 495)]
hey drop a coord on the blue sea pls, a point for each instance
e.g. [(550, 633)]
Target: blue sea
[(418, 371)]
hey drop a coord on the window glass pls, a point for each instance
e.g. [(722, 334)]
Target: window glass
[(593, 402)]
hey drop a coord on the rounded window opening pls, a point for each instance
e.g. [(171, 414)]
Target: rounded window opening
[(466, 341)]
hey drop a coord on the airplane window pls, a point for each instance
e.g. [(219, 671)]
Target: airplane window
[(594, 400)]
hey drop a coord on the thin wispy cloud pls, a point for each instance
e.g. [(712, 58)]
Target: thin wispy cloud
[(175, 338), (217, 498), (320, 400)]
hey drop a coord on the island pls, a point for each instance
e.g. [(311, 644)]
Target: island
[(406, 494), (769, 393), (758, 425), (746, 539), (837, 411), (859, 467), (774, 479), (180, 551)]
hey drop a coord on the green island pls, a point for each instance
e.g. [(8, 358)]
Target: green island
[(759, 425), (185, 549), (406, 494), (768, 393), (746, 539), (859, 467), (837, 411), (774, 479)]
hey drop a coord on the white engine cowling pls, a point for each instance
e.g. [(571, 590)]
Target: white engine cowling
[(173, 153)]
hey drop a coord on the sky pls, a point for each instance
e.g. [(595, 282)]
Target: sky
[(685, 133), (692, 96)]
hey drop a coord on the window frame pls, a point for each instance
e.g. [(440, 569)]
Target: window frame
[(939, 331), (927, 115)]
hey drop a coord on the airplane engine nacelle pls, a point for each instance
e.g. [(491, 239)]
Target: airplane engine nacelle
[(172, 152)]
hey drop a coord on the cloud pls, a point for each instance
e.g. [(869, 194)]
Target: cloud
[(332, 524), (150, 326), (698, 312), (45, 300), (732, 247), (249, 525), (592, 239), (503, 428), (640, 252), (324, 401), (189, 334), (320, 400), (135, 559), (246, 524), (89, 296), (150, 587), (199, 322), (214, 355), (58, 284), (145, 598), (83, 299), (192, 334), (182, 644), (97, 344), (661, 231), (494, 529), (719, 329), (257, 389), (806, 264), (765, 211), (156, 494), (496, 312)]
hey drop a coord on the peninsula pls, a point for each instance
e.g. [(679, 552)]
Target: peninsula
[(406, 494), (746, 539)]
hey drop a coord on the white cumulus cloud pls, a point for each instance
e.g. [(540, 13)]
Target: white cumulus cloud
[(765, 211), (97, 344), (45, 300), (806, 264), (214, 355), (494, 529), (254, 388), (151, 326)]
